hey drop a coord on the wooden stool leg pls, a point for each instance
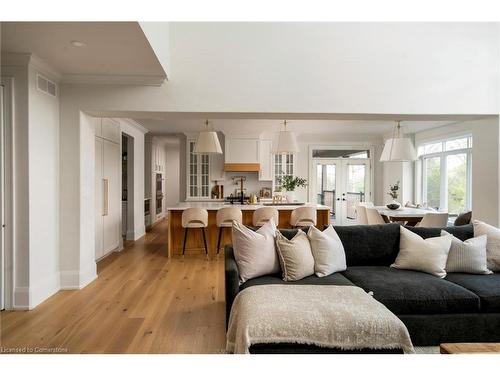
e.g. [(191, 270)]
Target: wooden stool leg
[(185, 237), (205, 241), (218, 239)]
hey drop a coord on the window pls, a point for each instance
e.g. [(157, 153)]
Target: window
[(198, 174), (446, 174), (283, 166)]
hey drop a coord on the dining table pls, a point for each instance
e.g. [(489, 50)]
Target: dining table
[(411, 216)]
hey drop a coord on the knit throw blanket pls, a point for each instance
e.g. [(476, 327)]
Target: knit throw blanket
[(330, 316)]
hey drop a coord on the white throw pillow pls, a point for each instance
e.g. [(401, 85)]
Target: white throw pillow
[(295, 256), (492, 245), (429, 255), (467, 256), (327, 250), (254, 251)]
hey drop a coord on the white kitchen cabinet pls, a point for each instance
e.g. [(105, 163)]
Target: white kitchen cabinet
[(266, 160), (242, 150), (107, 196)]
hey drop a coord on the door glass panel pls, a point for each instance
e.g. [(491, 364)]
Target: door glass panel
[(456, 167), (355, 188), (432, 181), (325, 182)]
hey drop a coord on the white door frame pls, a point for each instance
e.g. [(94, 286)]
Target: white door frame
[(341, 146), (6, 162)]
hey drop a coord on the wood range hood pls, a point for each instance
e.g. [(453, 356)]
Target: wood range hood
[(242, 167)]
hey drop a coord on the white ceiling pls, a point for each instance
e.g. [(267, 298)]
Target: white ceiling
[(114, 49), (257, 126)]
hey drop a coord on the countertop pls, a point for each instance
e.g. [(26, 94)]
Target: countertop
[(216, 205)]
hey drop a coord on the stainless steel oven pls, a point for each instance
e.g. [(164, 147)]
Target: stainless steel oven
[(159, 193)]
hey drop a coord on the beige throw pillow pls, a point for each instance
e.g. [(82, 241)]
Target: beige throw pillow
[(254, 252), (467, 256), (295, 256), (492, 244), (429, 255), (327, 250)]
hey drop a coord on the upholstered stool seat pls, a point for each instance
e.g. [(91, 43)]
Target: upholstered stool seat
[(303, 217), (263, 215), (225, 218), (194, 218)]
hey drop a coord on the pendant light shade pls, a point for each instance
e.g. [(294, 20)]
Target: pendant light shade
[(287, 142), (207, 142), (398, 148)]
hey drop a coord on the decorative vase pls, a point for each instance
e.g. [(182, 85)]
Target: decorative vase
[(394, 205), (290, 196)]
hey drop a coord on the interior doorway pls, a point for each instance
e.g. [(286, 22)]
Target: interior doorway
[(127, 187), (340, 182), (6, 250)]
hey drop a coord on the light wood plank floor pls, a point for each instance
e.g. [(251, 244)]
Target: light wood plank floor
[(141, 302)]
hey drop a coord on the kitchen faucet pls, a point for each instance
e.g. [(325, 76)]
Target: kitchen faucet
[(241, 179)]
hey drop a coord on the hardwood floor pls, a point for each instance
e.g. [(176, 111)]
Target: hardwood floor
[(142, 302)]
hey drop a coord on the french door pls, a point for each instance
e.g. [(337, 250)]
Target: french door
[(340, 184)]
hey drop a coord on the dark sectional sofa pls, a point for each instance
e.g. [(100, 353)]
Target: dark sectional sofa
[(460, 308)]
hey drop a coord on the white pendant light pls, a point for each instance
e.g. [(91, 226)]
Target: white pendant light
[(398, 148), (287, 142), (207, 142)]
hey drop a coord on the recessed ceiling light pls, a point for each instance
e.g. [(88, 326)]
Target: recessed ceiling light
[(77, 43)]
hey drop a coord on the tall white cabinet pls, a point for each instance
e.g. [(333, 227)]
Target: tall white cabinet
[(107, 187)]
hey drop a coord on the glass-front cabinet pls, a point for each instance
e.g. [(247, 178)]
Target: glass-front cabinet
[(198, 173)]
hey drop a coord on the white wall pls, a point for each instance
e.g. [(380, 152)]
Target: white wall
[(379, 68), (35, 182), (485, 163), (134, 130), (43, 191), (158, 35), (173, 173)]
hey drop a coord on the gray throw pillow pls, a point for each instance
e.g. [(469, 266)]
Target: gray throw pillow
[(467, 256)]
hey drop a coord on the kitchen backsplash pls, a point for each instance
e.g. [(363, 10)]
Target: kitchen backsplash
[(252, 185)]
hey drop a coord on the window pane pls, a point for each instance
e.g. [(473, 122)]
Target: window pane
[(456, 166), (433, 147), (456, 144), (433, 181)]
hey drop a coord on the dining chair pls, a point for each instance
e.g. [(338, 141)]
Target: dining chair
[(463, 219), (361, 212), (434, 220), (374, 216)]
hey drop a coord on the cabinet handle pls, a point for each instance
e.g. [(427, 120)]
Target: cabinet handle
[(105, 185)]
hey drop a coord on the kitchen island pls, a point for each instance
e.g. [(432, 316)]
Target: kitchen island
[(194, 243)]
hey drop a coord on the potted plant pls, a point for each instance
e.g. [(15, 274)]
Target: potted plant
[(289, 184), (394, 193)]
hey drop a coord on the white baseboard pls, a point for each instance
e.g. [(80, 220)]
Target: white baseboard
[(134, 235), (43, 289), (74, 280), (21, 298)]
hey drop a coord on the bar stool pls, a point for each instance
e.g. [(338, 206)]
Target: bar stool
[(263, 215), (303, 217), (224, 219), (194, 218)]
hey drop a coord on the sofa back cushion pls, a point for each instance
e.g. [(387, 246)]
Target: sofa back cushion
[(378, 245)]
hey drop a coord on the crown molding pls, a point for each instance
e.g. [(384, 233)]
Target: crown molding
[(113, 79), (30, 59), (15, 59), (135, 125), (45, 68)]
